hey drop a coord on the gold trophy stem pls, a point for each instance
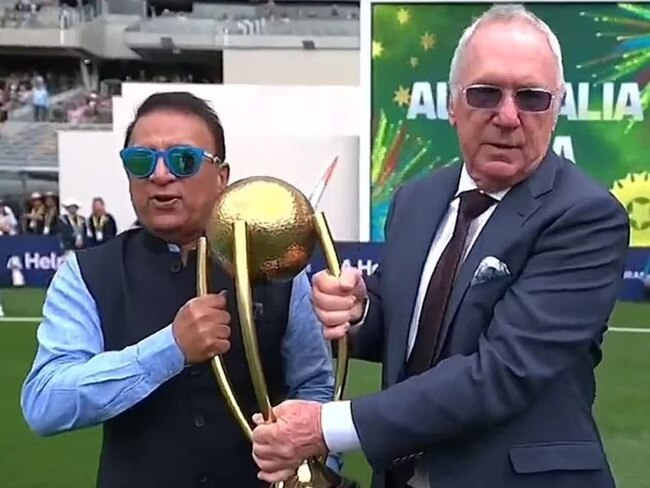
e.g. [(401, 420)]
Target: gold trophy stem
[(202, 267), (245, 306), (329, 251)]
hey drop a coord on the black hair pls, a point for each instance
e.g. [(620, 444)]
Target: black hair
[(186, 103)]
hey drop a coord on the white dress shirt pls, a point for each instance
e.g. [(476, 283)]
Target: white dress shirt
[(336, 418)]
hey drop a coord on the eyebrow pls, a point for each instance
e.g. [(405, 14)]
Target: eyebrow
[(526, 83)]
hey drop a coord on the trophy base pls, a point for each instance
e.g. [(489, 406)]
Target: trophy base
[(314, 474)]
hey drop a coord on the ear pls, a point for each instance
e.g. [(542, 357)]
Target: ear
[(451, 108), (557, 107), (452, 113), (224, 173)]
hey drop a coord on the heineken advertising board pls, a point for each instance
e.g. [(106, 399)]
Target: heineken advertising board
[(603, 126)]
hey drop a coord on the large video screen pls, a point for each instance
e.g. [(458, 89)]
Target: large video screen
[(603, 126)]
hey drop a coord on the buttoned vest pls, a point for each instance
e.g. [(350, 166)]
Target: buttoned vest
[(183, 434)]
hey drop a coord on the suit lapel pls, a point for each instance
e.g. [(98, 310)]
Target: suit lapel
[(512, 212), (413, 249)]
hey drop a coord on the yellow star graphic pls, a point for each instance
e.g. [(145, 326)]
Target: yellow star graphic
[(414, 61), (402, 96), (428, 41), (403, 16), (377, 49)]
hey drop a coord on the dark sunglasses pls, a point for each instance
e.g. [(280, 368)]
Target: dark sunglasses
[(181, 161), (489, 97)]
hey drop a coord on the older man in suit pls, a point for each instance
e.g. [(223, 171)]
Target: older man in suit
[(489, 308)]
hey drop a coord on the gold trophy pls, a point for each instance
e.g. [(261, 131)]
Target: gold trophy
[(262, 229)]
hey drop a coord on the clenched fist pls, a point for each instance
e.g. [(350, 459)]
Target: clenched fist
[(338, 301), (202, 328)]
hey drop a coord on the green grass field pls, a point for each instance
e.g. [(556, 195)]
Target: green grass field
[(70, 460)]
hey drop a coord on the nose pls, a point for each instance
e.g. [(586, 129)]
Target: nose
[(507, 116), (161, 175)]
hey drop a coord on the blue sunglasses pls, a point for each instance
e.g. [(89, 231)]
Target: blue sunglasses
[(181, 161)]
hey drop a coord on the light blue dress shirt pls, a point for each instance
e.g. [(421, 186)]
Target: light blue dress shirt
[(75, 384)]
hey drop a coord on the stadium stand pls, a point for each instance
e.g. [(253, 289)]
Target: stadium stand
[(34, 144), (47, 14), (139, 33), (295, 20), (82, 51)]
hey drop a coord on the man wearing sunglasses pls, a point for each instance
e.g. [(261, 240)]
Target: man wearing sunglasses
[(488, 310), (125, 343)]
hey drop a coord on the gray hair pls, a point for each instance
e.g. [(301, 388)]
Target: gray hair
[(504, 12)]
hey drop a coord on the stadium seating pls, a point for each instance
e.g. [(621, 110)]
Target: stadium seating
[(256, 20), (34, 144), (48, 14)]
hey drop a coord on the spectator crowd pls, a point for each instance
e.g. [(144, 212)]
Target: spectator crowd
[(20, 89), (43, 217)]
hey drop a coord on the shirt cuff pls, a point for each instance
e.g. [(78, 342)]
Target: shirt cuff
[(338, 428), (366, 307), (160, 356)]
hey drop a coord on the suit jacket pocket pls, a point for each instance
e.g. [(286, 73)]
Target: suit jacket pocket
[(557, 456)]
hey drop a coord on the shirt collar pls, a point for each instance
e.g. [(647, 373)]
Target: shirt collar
[(466, 183), (157, 244)]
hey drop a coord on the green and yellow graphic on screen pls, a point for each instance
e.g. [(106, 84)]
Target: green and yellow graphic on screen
[(603, 125)]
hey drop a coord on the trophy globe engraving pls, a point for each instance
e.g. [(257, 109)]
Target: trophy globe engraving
[(280, 228)]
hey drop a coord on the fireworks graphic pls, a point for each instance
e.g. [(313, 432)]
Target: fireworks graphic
[(397, 158), (631, 56)]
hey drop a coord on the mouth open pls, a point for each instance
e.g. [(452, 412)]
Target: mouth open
[(164, 199)]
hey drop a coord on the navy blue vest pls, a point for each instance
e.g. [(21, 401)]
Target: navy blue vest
[(183, 434)]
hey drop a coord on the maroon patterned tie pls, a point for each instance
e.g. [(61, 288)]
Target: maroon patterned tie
[(472, 204)]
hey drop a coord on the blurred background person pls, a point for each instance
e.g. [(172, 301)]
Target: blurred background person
[(33, 219), (8, 225), (101, 225), (40, 99), (51, 217), (73, 229)]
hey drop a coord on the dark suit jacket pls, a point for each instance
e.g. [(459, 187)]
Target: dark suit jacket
[(508, 402), (67, 232)]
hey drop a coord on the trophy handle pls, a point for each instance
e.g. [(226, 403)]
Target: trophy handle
[(245, 307), (202, 266), (332, 260)]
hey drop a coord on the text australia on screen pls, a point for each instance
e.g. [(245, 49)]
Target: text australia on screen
[(619, 101)]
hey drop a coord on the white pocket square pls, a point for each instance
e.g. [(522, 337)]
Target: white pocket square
[(488, 269)]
